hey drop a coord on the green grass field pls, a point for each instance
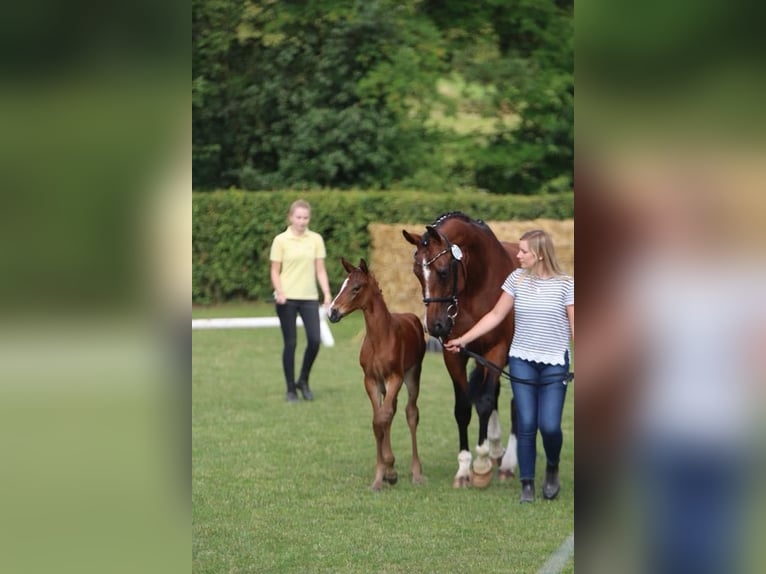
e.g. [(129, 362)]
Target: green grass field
[(283, 487)]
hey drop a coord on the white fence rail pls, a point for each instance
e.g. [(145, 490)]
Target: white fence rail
[(260, 322)]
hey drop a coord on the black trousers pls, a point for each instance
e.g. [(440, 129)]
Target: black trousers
[(288, 313)]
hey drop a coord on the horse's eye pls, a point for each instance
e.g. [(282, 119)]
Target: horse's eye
[(355, 289), (442, 273)]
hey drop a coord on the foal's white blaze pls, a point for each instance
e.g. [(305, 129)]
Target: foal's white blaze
[(342, 287)]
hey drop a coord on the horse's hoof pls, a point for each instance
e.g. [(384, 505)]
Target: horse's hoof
[(391, 479), (376, 486), (481, 480), (418, 479), (504, 475), (461, 482)]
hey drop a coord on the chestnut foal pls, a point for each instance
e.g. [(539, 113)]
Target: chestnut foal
[(391, 354)]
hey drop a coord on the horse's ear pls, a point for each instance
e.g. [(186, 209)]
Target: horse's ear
[(413, 238), (363, 265), (432, 232), (346, 265)]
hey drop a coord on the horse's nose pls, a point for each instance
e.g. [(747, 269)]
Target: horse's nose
[(440, 327), (333, 315)]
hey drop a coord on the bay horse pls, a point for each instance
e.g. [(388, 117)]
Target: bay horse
[(461, 266), (391, 355)]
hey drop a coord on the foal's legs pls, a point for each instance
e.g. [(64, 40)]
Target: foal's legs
[(393, 386), (383, 409)]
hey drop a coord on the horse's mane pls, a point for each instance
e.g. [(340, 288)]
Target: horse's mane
[(461, 216), (476, 223)]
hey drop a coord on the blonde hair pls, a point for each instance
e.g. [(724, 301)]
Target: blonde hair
[(541, 245), (295, 205)]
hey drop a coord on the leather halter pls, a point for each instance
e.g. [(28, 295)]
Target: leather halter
[(457, 256)]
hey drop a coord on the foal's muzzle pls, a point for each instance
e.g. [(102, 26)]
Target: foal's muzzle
[(334, 315)]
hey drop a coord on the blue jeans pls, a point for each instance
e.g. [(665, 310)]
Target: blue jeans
[(288, 313), (539, 391), (694, 507)]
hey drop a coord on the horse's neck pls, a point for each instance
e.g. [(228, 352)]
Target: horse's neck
[(377, 317), (487, 268)]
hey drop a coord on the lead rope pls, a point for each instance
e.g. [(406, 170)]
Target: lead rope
[(486, 363)]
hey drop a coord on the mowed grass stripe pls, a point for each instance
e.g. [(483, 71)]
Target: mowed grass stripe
[(285, 488)]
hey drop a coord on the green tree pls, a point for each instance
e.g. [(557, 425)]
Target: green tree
[(325, 94), (523, 50)]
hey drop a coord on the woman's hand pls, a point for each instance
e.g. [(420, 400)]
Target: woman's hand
[(453, 345)]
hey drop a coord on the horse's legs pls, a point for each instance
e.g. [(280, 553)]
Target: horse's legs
[(493, 435), (412, 380), (510, 458), (463, 419), (485, 406), (496, 450)]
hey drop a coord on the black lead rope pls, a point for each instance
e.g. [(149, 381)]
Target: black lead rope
[(486, 363)]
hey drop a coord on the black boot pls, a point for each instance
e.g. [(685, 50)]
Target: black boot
[(527, 491), (291, 396), (551, 486), (303, 387)]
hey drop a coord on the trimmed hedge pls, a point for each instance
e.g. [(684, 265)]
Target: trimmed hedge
[(232, 230)]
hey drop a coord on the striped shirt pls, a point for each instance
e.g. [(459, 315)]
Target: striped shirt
[(542, 327)]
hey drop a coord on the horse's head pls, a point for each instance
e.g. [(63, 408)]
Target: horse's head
[(437, 266), (354, 293)]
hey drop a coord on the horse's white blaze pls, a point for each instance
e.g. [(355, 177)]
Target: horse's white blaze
[(464, 459), (426, 277), (342, 287), (510, 459), (426, 291)]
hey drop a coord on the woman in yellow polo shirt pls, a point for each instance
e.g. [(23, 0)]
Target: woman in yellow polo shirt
[(297, 263)]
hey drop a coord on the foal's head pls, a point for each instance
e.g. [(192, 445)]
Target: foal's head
[(355, 292)]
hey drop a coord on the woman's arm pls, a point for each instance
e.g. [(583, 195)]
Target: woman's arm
[(323, 282), (276, 282), (488, 322), (570, 315)]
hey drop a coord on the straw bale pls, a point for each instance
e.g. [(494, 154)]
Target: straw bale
[(391, 256)]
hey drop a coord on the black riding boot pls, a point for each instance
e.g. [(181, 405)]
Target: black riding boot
[(291, 396), (303, 387), (527, 491), (551, 486)]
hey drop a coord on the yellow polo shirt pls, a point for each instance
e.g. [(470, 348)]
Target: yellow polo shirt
[(298, 254)]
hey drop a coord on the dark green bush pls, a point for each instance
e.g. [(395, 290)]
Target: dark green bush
[(233, 230)]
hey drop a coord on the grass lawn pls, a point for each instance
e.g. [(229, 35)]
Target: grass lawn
[(283, 487)]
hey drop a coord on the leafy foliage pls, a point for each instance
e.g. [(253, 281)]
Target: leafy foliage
[(342, 94), (316, 97)]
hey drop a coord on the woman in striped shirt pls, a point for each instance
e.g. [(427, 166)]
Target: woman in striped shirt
[(542, 297)]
